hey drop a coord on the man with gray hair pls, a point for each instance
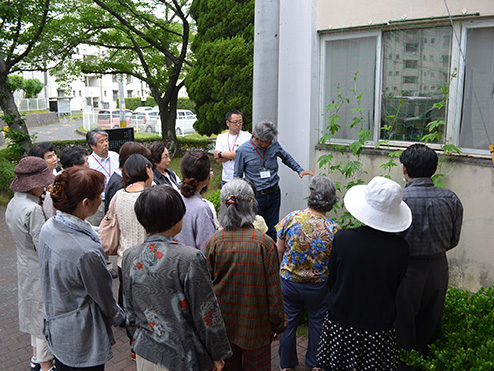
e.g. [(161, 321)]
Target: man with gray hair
[(257, 159), (102, 160), (106, 162)]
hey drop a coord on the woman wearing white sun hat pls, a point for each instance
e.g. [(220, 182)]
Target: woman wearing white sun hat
[(366, 266)]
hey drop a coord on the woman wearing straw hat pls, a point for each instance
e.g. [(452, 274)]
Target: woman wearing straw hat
[(366, 266), (24, 217)]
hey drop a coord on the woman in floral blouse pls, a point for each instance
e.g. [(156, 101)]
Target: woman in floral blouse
[(304, 244), (172, 311)]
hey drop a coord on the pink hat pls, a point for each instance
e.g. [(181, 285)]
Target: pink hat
[(32, 172)]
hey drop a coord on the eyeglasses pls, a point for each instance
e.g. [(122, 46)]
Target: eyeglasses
[(236, 122)]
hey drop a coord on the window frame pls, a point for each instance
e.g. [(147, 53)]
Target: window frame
[(453, 117), (377, 78)]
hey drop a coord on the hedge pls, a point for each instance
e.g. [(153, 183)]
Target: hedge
[(183, 103)]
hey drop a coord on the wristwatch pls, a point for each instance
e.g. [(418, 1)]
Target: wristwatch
[(220, 155)]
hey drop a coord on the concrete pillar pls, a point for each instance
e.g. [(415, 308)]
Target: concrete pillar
[(266, 38), (298, 96)]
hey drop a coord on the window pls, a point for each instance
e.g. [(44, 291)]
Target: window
[(478, 97), (411, 48), (80, 93), (345, 62), (129, 93), (114, 78), (104, 93), (410, 79), (129, 79), (402, 95), (115, 95)]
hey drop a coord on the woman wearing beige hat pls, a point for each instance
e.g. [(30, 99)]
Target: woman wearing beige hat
[(366, 266), (24, 217)]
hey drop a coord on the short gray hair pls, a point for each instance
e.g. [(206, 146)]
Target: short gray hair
[(236, 210), (265, 131), (91, 136), (322, 193)]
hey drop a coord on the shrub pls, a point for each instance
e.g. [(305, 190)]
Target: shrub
[(182, 103), (466, 338), (6, 175), (215, 199)]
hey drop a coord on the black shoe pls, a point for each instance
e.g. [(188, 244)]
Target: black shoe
[(34, 366)]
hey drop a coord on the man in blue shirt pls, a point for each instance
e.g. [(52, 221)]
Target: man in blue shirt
[(257, 159)]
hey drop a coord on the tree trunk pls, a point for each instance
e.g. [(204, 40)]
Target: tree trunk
[(168, 114), (11, 114)]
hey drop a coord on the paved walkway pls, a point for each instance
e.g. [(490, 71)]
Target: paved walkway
[(15, 349)]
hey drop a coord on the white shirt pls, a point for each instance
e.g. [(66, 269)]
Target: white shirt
[(107, 166), (229, 143)]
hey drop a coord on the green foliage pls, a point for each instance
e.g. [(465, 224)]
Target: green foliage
[(352, 170), (215, 199), (465, 339), (14, 139), (182, 103), (134, 102), (221, 78), (6, 174), (32, 87), (15, 83)]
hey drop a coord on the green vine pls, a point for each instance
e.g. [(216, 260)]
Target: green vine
[(352, 171)]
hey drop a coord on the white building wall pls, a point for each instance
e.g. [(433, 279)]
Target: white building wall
[(349, 13), (472, 262)]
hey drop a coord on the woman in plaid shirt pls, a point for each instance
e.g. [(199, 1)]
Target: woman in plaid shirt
[(245, 273)]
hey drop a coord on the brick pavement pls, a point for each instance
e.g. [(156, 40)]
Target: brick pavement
[(15, 349)]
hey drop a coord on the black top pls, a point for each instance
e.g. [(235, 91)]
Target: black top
[(114, 184), (160, 179), (365, 269)]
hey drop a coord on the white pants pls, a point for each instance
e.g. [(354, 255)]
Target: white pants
[(145, 365), (43, 353)]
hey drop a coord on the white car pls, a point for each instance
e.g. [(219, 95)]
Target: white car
[(143, 109), (145, 122), (184, 123)]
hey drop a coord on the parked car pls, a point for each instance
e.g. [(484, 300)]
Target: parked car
[(184, 124), (109, 119), (143, 109), (150, 122), (145, 122)]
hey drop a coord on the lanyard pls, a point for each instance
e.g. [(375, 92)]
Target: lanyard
[(259, 153), (100, 164), (228, 138)]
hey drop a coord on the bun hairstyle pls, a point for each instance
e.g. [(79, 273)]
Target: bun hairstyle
[(75, 184), (195, 168)]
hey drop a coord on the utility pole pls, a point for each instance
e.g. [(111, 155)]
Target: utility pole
[(121, 100)]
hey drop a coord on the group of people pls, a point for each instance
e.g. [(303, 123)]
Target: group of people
[(200, 292)]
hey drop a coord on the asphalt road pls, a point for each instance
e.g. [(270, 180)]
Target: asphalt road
[(62, 131)]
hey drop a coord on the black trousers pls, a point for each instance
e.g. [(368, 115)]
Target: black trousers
[(420, 302), (61, 367)]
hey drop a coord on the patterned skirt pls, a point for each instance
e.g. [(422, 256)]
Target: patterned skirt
[(346, 348)]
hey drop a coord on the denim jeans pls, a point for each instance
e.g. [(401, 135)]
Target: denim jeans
[(314, 296), (268, 206)]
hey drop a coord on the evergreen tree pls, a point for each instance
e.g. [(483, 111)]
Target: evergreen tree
[(221, 78)]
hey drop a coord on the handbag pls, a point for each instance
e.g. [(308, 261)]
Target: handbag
[(109, 232)]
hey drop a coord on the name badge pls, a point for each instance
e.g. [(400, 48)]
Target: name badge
[(265, 174)]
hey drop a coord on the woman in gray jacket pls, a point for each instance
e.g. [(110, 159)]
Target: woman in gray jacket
[(79, 306)]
